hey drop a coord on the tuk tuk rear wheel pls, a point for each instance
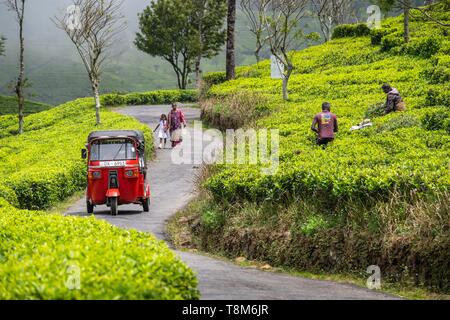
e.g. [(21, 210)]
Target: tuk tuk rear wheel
[(114, 206), (146, 205), (90, 207)]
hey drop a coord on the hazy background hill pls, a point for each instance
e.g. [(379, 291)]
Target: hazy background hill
[(55, 69)]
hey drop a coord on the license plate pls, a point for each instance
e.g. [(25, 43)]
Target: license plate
[(110, 164)]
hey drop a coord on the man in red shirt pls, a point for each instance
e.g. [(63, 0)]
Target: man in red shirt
[(325, 124)]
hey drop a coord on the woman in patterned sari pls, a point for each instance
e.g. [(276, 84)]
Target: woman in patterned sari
[(176, 121)]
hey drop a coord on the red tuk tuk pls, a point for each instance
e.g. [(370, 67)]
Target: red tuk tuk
[(117, 171)]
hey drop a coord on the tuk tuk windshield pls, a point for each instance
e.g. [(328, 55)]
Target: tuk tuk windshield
[(112, 149)]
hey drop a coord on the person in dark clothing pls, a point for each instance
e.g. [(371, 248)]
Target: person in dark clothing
[(325, 124), (394, 101)]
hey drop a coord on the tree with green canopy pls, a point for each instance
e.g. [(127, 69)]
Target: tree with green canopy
[(182, 32)]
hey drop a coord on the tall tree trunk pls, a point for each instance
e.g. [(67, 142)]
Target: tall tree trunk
[(95, 90), (231, 29), (198, 73), (258, 50), (20, 80), (286, 78), (406, 13)]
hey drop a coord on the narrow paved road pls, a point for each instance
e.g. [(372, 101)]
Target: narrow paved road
[(218, 279)]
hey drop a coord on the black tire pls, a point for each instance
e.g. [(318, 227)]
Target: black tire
[(90, 207), (114, 206), (146, 205)]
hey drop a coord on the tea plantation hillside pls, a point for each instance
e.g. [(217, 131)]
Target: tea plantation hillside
[(8, 105), (375, 196), (42, 254)]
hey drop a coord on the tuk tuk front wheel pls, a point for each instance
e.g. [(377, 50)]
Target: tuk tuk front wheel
[(146, 205), (114, 206), (90, 207)]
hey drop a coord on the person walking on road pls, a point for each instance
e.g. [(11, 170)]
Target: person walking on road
[(163, 134), (325, 124), (176, 121)]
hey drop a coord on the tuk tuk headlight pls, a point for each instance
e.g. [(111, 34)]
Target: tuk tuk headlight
[(131, 173), (95, 175)]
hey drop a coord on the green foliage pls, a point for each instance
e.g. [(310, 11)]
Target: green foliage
[(399, 154), (402, 121), (425, 47), (377, 35), (375, 110), (2, 45), (212, 219), (213, 78), (39, 253), (313, 225), (351, 30), (152, 97), (438, 97), (439, 73), (181, 32), (378, 194), (392, 40), (8, 105), (437, 120), (43, 166)]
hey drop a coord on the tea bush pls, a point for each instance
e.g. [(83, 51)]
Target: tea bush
[(39, 253), (392, 156), (440, 71), (152, 97), (213, 78), (351, 30)]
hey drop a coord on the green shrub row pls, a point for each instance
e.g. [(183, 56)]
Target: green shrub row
[(351, 30), (53, 257), (411, 249), (358, 201), (439, 72), (152, 97)]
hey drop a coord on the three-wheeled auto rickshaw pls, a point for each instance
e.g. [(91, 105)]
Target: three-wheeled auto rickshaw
[(117, 171)]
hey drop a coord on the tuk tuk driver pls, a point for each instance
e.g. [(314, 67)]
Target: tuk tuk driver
[(325, 124)]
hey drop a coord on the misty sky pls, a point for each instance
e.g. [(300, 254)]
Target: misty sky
[(54, 67), (40, 30)]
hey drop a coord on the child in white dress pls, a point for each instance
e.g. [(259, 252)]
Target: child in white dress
[(163, 134)]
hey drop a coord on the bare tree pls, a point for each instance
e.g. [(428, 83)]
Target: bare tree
[(284, 33), (18, 8), (93, 26), (332, 13), (255, 11)]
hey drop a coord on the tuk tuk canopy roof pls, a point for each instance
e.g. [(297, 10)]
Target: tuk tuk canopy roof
[(136, 134)]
